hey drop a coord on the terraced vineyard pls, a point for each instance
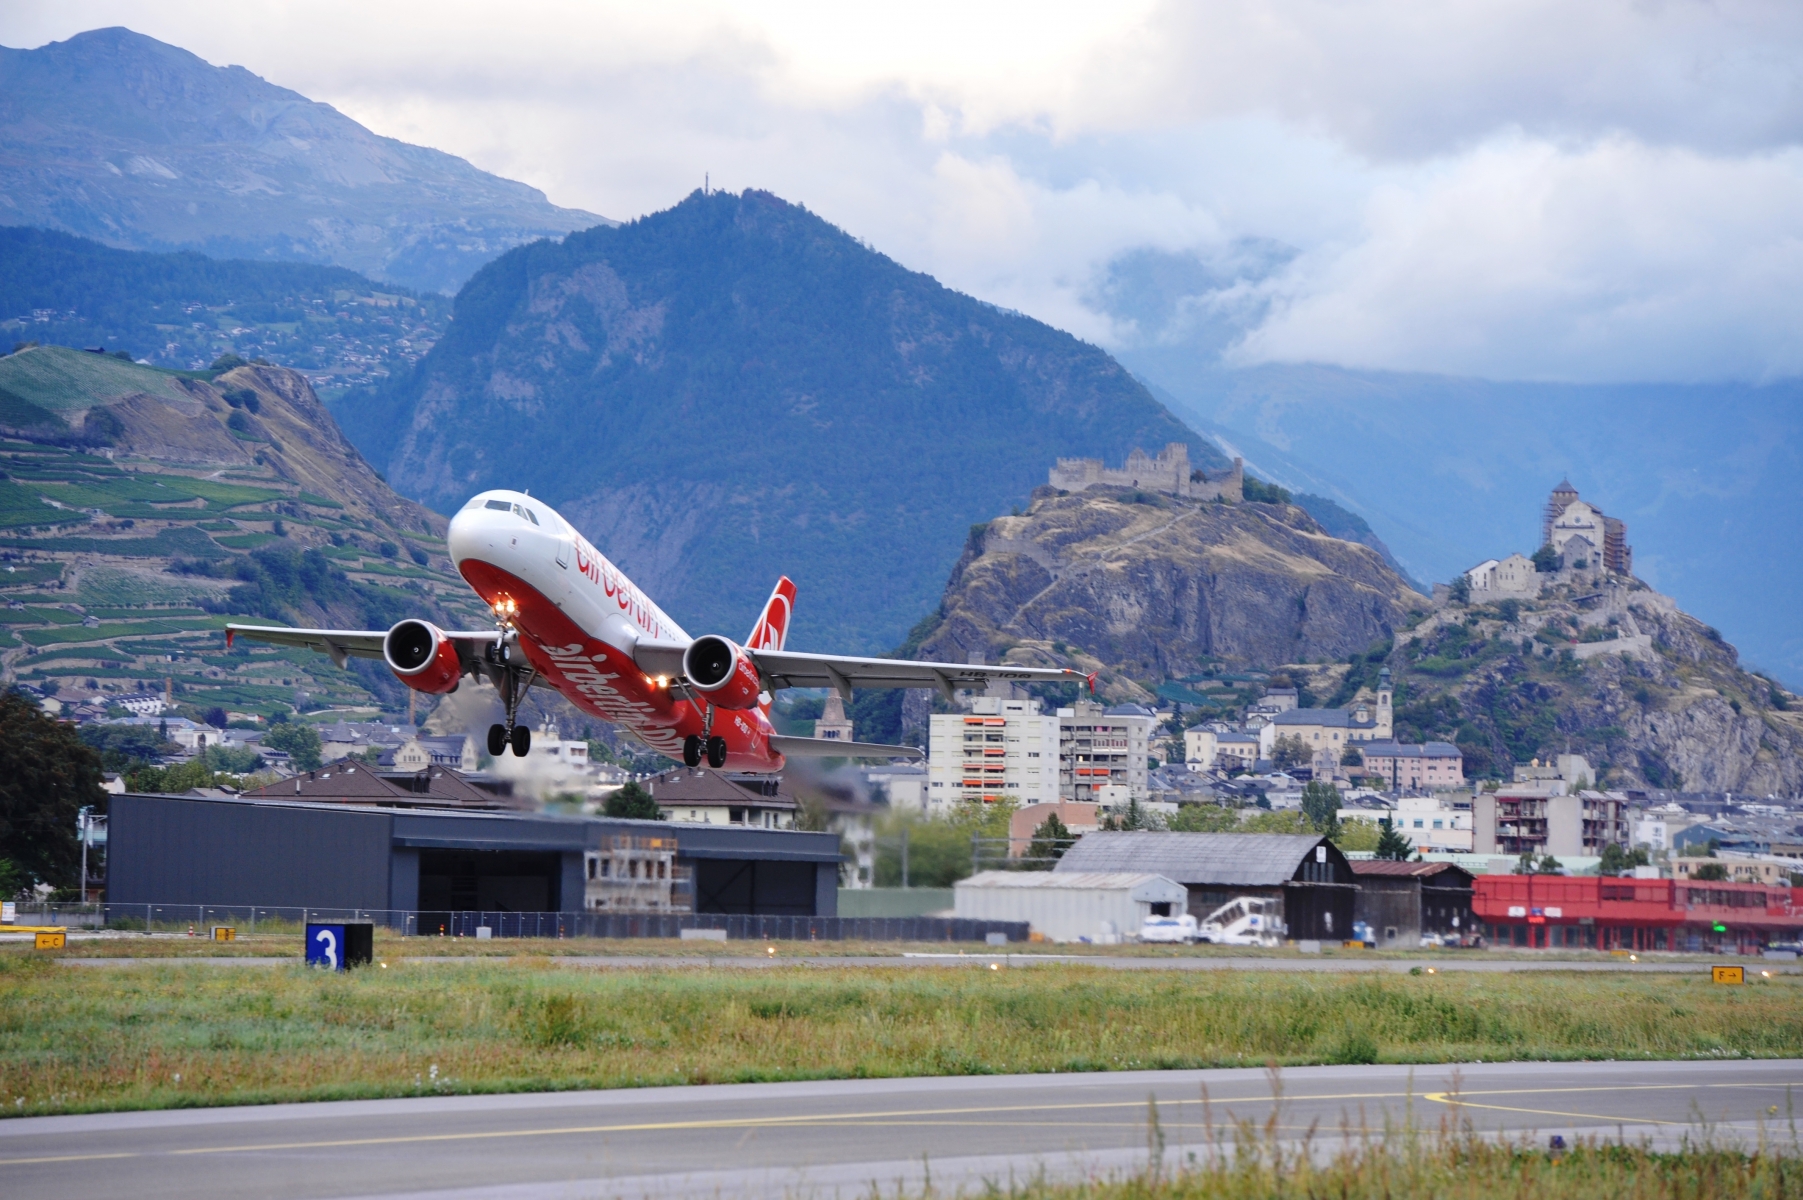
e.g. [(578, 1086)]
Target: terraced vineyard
[(122, 557)]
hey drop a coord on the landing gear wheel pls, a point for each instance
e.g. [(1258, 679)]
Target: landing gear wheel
[(716, 752), (691, 750), (497, 740), (522, 741)]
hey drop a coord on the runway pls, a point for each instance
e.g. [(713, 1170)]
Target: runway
[(845, 1138)]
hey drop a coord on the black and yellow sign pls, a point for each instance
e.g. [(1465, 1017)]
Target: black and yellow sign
[(51, 939), (1728, 974), (224, 933)]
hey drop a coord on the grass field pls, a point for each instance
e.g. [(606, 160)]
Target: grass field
[(1451, 1166), (80, 1039)]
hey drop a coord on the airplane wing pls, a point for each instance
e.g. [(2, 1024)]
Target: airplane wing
[(803, 747), (785, 668), (339, 644)]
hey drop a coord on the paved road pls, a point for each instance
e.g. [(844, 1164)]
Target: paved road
[(839, 1138), (1476, 961)]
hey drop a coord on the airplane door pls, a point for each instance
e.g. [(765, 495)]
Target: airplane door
[(563, 553)]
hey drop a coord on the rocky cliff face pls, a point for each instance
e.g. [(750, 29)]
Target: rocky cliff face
[(1148, 586)]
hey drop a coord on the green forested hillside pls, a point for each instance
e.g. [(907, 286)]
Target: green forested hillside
[(734, 389), (184, 310)]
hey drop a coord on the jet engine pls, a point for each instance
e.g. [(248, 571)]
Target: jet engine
[(722, 672), (422, 657)]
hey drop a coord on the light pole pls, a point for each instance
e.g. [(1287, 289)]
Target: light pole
[(81, 828)]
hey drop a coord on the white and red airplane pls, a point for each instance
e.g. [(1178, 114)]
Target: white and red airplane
[(567, 619)]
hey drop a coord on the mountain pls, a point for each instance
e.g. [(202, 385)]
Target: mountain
[(122, 138), (733, 389), (141, 509), (1610, 669), (1154, 589), (185, 310)]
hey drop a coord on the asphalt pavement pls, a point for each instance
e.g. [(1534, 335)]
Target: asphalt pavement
[(850, 1138)]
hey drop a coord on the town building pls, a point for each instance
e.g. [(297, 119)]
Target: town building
[(456, 751), (352, 781), (1495, 579), (1078, 819), (1414, 765), (1592, 912), (833, 724), (633, 873), (1205, 749), (1539, 819), (1431, 823), (1002, 747), (1070, 906), (1582, 536), (1102, 753), (1409, 904), (1768, 869), (902, 786), (1169, 472), (143, 704), (709, 797), (1307, 875), (1327, 732)]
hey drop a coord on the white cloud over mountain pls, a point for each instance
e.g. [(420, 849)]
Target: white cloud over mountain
[(1527, 189)]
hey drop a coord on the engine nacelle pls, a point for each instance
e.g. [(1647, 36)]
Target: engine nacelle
[(722, 672), (422, 658)]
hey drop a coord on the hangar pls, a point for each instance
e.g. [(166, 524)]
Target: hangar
[(1307, 874), (177, 850)]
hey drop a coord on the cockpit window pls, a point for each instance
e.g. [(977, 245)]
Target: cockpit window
[(498, 505), (523, 511), (518, 510)]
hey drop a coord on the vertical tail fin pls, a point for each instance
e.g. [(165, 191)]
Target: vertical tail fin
[(772, 628)]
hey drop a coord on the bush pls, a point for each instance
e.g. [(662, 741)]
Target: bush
[(227, 362), (1711, 872), (1257, 491), (299, 740), (633, 803)]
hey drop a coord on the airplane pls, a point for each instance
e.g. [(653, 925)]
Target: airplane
[(568, 619)]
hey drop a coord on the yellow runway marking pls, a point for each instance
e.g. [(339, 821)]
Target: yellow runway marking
[(873, 1119)]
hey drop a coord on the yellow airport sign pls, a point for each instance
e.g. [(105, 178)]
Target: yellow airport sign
[(52, 939), (1728, 974)]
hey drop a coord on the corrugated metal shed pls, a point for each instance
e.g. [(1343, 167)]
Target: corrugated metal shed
[(1069, 906), (1226, 859)]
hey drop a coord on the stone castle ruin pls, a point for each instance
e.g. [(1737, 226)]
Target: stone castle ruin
[(1170, 473)]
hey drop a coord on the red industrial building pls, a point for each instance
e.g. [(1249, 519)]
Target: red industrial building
[(1591, 912)]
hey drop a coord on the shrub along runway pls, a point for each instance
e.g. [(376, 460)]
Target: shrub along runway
[(853, 1137)]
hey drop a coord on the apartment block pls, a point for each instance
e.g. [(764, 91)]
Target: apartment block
[(1103, 748), (1000, 748)]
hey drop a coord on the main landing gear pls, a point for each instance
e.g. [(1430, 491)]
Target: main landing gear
[(707, 743), (500, 737), (695, 747)]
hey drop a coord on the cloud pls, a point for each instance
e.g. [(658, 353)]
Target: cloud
[(1516, 188), (1522, 259)]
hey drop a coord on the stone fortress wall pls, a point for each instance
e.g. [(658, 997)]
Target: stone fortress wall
[(1170, 472)]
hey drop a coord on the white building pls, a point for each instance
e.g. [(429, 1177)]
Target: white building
[(1429, 822), (1100, 748), (1070, 906), (1206, 749), (1000, 748), (456, 751), (903, 785)]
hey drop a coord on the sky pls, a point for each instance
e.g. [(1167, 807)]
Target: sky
[(1526, 190)]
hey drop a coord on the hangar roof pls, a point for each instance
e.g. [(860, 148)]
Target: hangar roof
[(1230, 859)]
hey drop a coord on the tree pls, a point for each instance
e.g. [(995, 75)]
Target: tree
[(1711, 872), (1546, 560), (633, 803), (1321, 804), (1352, 757), (1393, 844), (1617, 861), (47, 774), (1358, 835), (299, 740), (1461, 588), (1203, 818), (1049, 843), (1134, 817), (1548, 865), (1289, 751)]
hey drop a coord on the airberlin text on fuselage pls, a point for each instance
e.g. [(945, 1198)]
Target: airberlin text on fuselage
[(577, 668), (598, 570)]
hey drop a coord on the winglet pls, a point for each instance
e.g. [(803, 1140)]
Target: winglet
[(1091, 679), (229, 635)]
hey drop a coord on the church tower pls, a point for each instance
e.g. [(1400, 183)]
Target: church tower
[(1384, 730), (1563, 497), (833, 722)]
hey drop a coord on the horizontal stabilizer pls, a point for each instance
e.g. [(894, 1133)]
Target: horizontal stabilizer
[(801, 747)]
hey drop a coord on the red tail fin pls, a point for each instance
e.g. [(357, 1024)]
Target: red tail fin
[(772, 628)]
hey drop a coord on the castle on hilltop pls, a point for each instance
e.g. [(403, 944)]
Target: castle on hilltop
[(1170, 472), (1574, 536)]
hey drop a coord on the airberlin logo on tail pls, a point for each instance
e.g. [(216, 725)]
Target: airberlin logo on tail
[(772, 629)]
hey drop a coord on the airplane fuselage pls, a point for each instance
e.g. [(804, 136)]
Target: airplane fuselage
[(578, 618)]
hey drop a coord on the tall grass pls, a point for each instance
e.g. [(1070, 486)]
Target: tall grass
[(76, 1038)]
